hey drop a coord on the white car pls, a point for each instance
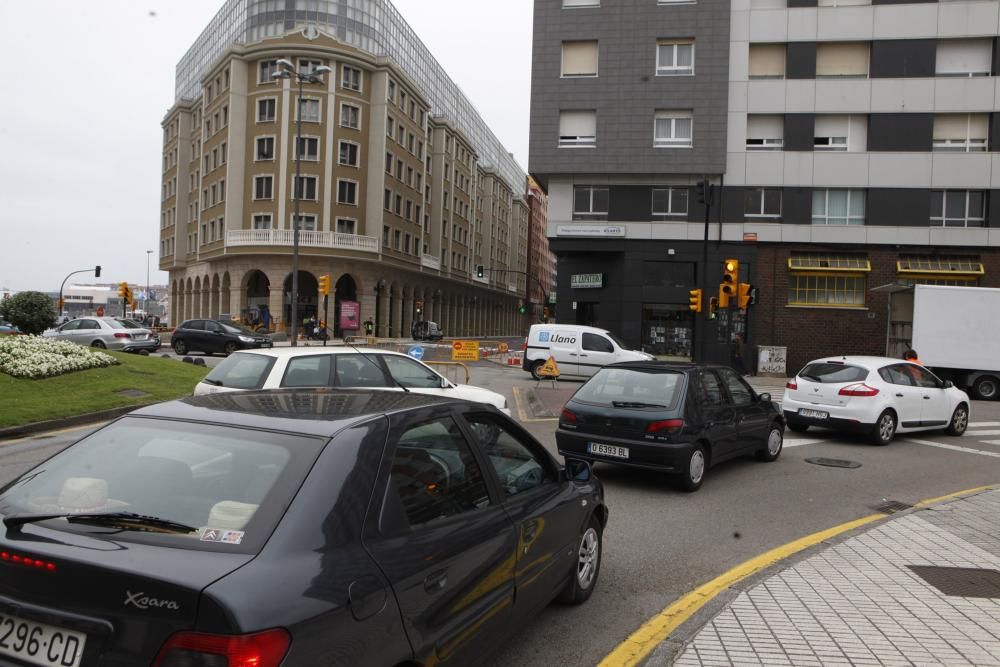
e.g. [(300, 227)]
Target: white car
[(337, 367), (878, 396)]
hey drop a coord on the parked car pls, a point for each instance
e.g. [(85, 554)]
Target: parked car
[(877, 396), (288, 367), (212, 336), (275, 528), (9, 330), (107, 333), (578, 350), (676, 418), (426, 330)]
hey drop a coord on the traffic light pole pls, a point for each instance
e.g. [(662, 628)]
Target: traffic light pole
[(706, 298), (326, 317), (97, 274)]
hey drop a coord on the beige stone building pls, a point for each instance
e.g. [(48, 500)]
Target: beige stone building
[(404, 191)]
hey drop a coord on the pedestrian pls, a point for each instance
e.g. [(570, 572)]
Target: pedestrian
[(738, 350), (911, 356), (369, 327), (265, 317)]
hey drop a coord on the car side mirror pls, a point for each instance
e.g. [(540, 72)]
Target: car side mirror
[(578, 470), (948, 384), (764, 398), (445, 384)]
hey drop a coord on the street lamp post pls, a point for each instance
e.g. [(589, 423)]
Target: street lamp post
[(145, 301), (286, 70)]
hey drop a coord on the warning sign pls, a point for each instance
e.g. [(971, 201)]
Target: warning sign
[(503, 348), (465, 350), (549, 369)]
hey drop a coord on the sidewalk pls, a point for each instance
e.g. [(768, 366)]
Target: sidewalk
[(920, 589)]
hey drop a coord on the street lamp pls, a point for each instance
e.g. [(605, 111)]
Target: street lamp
[(286, 70), (145, 300)]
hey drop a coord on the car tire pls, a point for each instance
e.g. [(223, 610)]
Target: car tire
[(959, 420), (884, 429), (797, 427), (693, 474), (535, 367), (587, 566), (229, 349), (180, 347), (98, 345), (986, 388), (773, 445)]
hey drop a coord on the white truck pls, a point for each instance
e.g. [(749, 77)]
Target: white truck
[(956, 333)]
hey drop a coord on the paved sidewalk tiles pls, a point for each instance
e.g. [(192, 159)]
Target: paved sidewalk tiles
[(859, 603)]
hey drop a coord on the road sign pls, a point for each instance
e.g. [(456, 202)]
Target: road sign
[(549, 369), (100, 311), (416, 352), (503, 347), (465, 350)]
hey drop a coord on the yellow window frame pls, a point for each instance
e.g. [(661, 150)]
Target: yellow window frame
[(940, 266), (848, 290), (852, 263)]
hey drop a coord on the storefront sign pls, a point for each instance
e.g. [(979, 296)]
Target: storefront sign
[(590, 230), (349, 315), (586, 280)]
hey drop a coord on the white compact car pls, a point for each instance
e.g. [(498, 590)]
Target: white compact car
[(878, 396), (337, 367)]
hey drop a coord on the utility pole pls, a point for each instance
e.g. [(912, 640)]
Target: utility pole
[(705, 192)]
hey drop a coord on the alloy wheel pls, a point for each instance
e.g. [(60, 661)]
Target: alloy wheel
[(774, 442), (886, 427), (696, 467), (587, 559)]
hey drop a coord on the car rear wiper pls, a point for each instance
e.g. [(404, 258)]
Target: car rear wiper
[(119, 519), (217, 383), (632, 404), (810, 377)]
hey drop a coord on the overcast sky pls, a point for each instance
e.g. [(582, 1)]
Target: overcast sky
[(89, 82)]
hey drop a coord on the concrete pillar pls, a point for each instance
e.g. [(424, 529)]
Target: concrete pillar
[(275, 306), (407, 313), (383, 328), (236, 302), (397, 314)]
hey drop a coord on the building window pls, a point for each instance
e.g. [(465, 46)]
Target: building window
[(580, 3), (266, 70), (266, 110), (346, 225), (308, 148), (964, 57), (307, 66), (263, 187), (590, 203), (305, 188), (579, 58), (577, 129), (767, 61), (840, 133), (262, 221), (310, 110), (827, 280), (306, 223), (391, 94), (765, 133), (672, 129), (388, 163), (961, 133), (397, 239), (838, 207), (351, 78), (398, 208), (674, 58), (348, 154), (350, 116), (385, 236), (958, 208), (347, 192), (387, 199), (265, 148), (842, 60), (762, 202), (670, 201), (408, 210), (939, 270)]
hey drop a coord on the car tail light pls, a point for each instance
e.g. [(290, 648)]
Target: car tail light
[(860, 389), (666, 425), (196, 649), (123, 335), (567, 416), (792, 384), (26, 561)]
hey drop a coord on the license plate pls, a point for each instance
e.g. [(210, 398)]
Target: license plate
[(40, 644), (141, 337), (815, 414), (607, 450)]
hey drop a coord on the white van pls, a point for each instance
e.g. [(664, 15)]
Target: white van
[(578, 350)]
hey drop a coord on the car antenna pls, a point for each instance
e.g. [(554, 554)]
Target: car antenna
[(384, 372)]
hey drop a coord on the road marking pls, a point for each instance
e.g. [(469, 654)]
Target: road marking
[(45, 434), (641, 642), (982, 424), (931, 501), (990, 442), (976, 434), (521, 416), (800, 443), (954, 447)]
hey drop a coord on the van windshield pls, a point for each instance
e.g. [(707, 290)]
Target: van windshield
[(618, 341)]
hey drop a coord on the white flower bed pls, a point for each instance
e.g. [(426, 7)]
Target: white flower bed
[(36, 357)]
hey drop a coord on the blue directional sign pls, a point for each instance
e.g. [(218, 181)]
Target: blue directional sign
[(416, 352)]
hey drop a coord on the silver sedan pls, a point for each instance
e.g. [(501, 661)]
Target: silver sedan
[(107, 333)]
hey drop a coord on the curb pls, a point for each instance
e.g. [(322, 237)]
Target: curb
[(67, 422)]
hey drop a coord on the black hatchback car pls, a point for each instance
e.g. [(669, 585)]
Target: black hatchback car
[(677, 418), (211, 336), (305, 527)]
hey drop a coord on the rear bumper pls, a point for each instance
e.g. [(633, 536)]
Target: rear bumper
[(831, 422), (151, 345), (671, 457)]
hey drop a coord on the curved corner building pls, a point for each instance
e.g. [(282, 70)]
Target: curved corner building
[(405, 190)]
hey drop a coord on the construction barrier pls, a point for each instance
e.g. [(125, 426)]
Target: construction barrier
[(450, 369)]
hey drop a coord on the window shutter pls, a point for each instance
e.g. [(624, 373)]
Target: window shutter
[(767, 60), (579, 58), (951, 126), (765, 127), (964, 56), (831, 126), (842, 59), (578, 124)]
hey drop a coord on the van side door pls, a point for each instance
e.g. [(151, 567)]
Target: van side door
[(596, 351)]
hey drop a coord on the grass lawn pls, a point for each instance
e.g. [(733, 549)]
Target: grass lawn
[(24, 401)]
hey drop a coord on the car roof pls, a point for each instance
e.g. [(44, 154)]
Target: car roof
[(317, 412), (678, 366), (869, 362), (280, 352)]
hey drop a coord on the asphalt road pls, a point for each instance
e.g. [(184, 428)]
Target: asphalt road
[(661, 543)]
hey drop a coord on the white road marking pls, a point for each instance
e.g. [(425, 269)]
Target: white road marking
[(990, 442), (953, 447), (977, 434), (982, 424), (800, 443)]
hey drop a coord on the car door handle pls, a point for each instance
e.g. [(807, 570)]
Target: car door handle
[(927, 398), (583, 355), (899, 396), (436, 581), (572, 354)]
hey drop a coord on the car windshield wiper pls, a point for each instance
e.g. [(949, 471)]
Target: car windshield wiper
[(634, 404), (810, 377), (118, 519), (217, 383)]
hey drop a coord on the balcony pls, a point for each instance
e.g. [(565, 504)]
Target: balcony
[(307, 239), (430, 262)]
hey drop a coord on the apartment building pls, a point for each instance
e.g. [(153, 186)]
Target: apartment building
[(402, 188), (852, 146)]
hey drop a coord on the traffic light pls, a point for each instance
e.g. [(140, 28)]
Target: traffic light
[(522, 309), (122, 289), (713, 306), (324, 284), (545, 312), (62, 304), (700, 190), (744, 295), (480, 270), (97, 271), (420, 306), (730, 280), (695, 300)]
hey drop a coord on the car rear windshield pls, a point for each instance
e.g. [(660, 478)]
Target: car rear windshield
[(241, 371), (632, 388), (829, 373), (210, 477)]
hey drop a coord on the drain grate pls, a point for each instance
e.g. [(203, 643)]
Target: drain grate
[(834, 463), (891, 507), (966, 582)]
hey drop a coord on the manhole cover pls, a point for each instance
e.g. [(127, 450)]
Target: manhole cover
[(834, 463), (132, 393), (966, 582), (891, 507)]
